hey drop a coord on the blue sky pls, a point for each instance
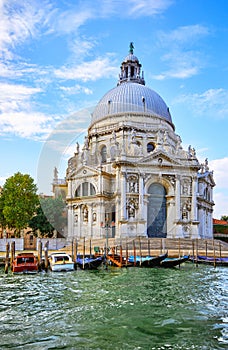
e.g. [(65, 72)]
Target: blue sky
[(59, 57)]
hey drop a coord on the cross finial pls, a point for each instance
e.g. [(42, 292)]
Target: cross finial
[(131, 47)]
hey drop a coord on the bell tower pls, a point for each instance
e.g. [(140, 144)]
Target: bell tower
[(130, 69)]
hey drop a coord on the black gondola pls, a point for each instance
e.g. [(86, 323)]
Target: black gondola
[(87, 263), (172, 262), (148, 261)]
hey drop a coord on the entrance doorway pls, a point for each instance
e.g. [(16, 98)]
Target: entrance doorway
[(156, 211)]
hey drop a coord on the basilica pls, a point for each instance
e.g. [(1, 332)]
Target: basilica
[(132, 177)]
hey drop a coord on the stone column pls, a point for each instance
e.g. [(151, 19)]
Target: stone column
[(177, 198), (70, 221), (194, 199), (141, 197), (69, 189), (79, 220), (123, 196)]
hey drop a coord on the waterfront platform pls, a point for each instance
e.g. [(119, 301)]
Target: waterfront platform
[(142, 246)]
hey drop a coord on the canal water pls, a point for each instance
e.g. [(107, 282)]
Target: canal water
[(116, 309)]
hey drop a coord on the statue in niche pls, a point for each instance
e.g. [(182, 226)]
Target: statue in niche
[(94, 217), (85, 214), (132, 205), (132, 186), (185, 210)]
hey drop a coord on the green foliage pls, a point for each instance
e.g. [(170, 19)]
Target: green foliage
[(18, 202), (49, 216), (224, 217)]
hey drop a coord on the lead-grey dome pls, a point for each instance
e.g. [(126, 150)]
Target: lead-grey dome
[(131, 97)]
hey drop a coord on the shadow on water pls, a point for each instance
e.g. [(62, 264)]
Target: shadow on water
[(116, 308)]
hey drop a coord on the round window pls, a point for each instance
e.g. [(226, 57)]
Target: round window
[(150, 147)]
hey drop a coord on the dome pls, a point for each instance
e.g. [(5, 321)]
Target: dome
[(131, 57), (131, 97)]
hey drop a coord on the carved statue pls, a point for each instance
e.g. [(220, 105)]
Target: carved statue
[(131, 48), (55, 173), (77, 147)]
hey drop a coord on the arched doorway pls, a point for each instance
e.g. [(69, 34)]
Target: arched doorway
[(156, 211)]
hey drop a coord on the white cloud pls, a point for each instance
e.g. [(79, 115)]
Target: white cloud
[(139, 8), (19, 22), (220, 168), (93, 70), (212, 102), (184, 61), (76, 89), (17, 116), (182, 35), (26, 124)]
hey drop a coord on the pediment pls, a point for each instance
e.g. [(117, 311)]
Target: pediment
[(83, 172), (160, 158)]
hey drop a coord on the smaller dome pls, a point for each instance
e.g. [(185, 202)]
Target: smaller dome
[(131, 57)]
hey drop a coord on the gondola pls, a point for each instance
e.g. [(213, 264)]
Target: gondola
[(147, 261), (202, 259), (88, 263), (172, 262)]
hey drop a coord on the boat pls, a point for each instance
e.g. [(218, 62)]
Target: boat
[(172, 262), (89, 263), (61, 262), (25, 263), (203, 259), (147, 261)]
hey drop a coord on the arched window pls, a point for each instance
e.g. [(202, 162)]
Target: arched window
[(156, 211), (85, 189), (104, 154)]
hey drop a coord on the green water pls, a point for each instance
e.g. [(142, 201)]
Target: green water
[(116, 309)]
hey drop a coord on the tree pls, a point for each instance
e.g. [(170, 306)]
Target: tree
[(49, 216), (224, 217), (18, 202)]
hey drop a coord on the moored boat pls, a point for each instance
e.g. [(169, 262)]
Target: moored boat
[(147, 261), (203, 259), (25, 263), (172, 262), (89, 263), (60, 261)]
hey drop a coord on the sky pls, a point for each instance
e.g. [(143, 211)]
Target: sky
[(59, 57)]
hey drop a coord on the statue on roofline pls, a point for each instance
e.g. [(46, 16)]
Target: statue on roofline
[(131, 48)]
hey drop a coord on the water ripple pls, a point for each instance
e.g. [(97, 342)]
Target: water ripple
[(116, 308)]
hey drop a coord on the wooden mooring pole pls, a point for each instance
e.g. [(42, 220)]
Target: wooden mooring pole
[(214, 252), (197, 252), (83, 257), (46, 256), (7, 257), (126, 253), (134, 250), (12, 255)]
